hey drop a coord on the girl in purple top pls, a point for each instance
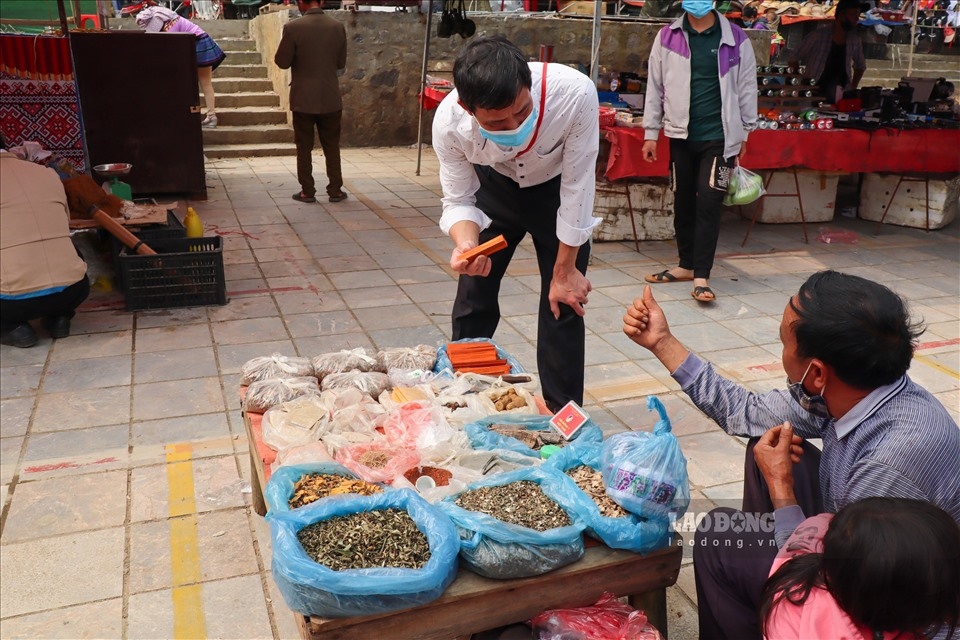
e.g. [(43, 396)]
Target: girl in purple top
[(209, 55)]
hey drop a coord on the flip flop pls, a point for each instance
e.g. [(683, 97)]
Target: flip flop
[(299, 197), (703, 294), (665, 276)]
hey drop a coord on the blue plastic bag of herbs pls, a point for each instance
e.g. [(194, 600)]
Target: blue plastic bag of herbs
[(645, 472), (317, 481), (525, 433), (606, 520), (367, 554), (517, 524)]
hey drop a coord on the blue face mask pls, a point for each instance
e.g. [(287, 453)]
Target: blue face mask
[(817, 405), (697, 8), (513, 138)]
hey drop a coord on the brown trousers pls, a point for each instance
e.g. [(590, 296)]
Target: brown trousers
[(328, 129)]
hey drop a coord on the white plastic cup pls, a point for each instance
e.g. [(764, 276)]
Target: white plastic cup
[(424, 483)]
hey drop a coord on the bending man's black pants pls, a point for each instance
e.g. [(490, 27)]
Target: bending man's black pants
[(476, 310)]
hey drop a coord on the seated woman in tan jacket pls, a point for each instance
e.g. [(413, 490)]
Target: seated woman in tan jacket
[(41, 273)]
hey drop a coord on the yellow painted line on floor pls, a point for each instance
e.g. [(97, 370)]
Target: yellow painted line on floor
[(930, 362), (188, 620)]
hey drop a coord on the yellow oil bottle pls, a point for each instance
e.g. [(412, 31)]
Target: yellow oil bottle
[(193, 224)]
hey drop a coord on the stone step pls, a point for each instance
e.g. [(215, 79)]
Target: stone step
[(248, 99), (241, 85), (236, 44), (249, 116), (248, 134), (248, 150), (242, 57), (247, 71)]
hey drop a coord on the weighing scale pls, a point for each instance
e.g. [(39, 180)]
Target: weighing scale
[(115, 186)]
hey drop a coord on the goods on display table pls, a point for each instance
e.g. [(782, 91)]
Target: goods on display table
[(803, 143), (379, 484)]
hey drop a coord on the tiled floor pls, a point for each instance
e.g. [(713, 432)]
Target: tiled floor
[(123, 458)]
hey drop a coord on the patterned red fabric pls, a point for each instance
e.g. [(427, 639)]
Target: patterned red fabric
[(38, 97)]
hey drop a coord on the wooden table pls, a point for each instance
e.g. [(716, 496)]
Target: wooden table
[(473, 603)]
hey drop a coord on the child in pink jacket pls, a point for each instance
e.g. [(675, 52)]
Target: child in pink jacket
[(880, 569)]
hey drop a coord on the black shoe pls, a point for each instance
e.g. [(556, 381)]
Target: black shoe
[(58, 326), (22, 336), (299, 197), (338, 197)]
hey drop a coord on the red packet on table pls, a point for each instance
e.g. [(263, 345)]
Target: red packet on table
[(569, 419)]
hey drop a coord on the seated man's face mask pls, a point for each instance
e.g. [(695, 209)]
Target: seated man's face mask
[(815, 404), (516, 137)]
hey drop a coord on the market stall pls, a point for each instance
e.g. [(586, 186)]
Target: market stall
[(884, 150), (333, 437)]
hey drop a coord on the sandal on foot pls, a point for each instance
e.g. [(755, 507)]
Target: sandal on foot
[(703, 294), (299, 197), (666, 276)]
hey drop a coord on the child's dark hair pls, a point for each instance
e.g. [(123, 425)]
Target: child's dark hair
[(892, 564)]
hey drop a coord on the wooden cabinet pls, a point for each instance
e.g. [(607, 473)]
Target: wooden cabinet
[(140, 103)]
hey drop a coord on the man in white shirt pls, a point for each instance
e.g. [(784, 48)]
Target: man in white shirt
[(517, 144)]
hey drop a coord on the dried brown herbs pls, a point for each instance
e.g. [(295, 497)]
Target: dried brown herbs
[(591, 482), (313, 486)]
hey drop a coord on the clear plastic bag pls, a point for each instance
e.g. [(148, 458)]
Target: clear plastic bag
[(496, 549), (275, 366), (296, 422), (481, 437), (608, 619), (310, 588), (355, 418), (745, 187), (416, 425), (630, 532), (372, 383), (377, 461), (646, 473), (264, 394), (311, 453), (420, 358), (346, 360)]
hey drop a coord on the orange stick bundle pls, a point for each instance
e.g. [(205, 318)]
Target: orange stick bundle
[(476, 357), (489, 247)]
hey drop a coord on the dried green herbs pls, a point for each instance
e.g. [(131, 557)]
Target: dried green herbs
[(382, 538), (522, 503)]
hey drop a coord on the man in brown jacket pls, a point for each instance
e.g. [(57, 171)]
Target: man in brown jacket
[(314, 48), (41, 273)]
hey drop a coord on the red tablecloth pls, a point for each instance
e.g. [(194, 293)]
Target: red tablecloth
[(923, 151)]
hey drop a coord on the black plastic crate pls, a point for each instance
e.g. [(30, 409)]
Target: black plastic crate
[(186, 272), (173, 229)]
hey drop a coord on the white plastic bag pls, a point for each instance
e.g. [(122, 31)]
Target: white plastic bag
[(275, 366), (745, 187), (295, 423)]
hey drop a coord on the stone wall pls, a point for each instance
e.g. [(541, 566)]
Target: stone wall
[(385, 58), (266, 31)]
